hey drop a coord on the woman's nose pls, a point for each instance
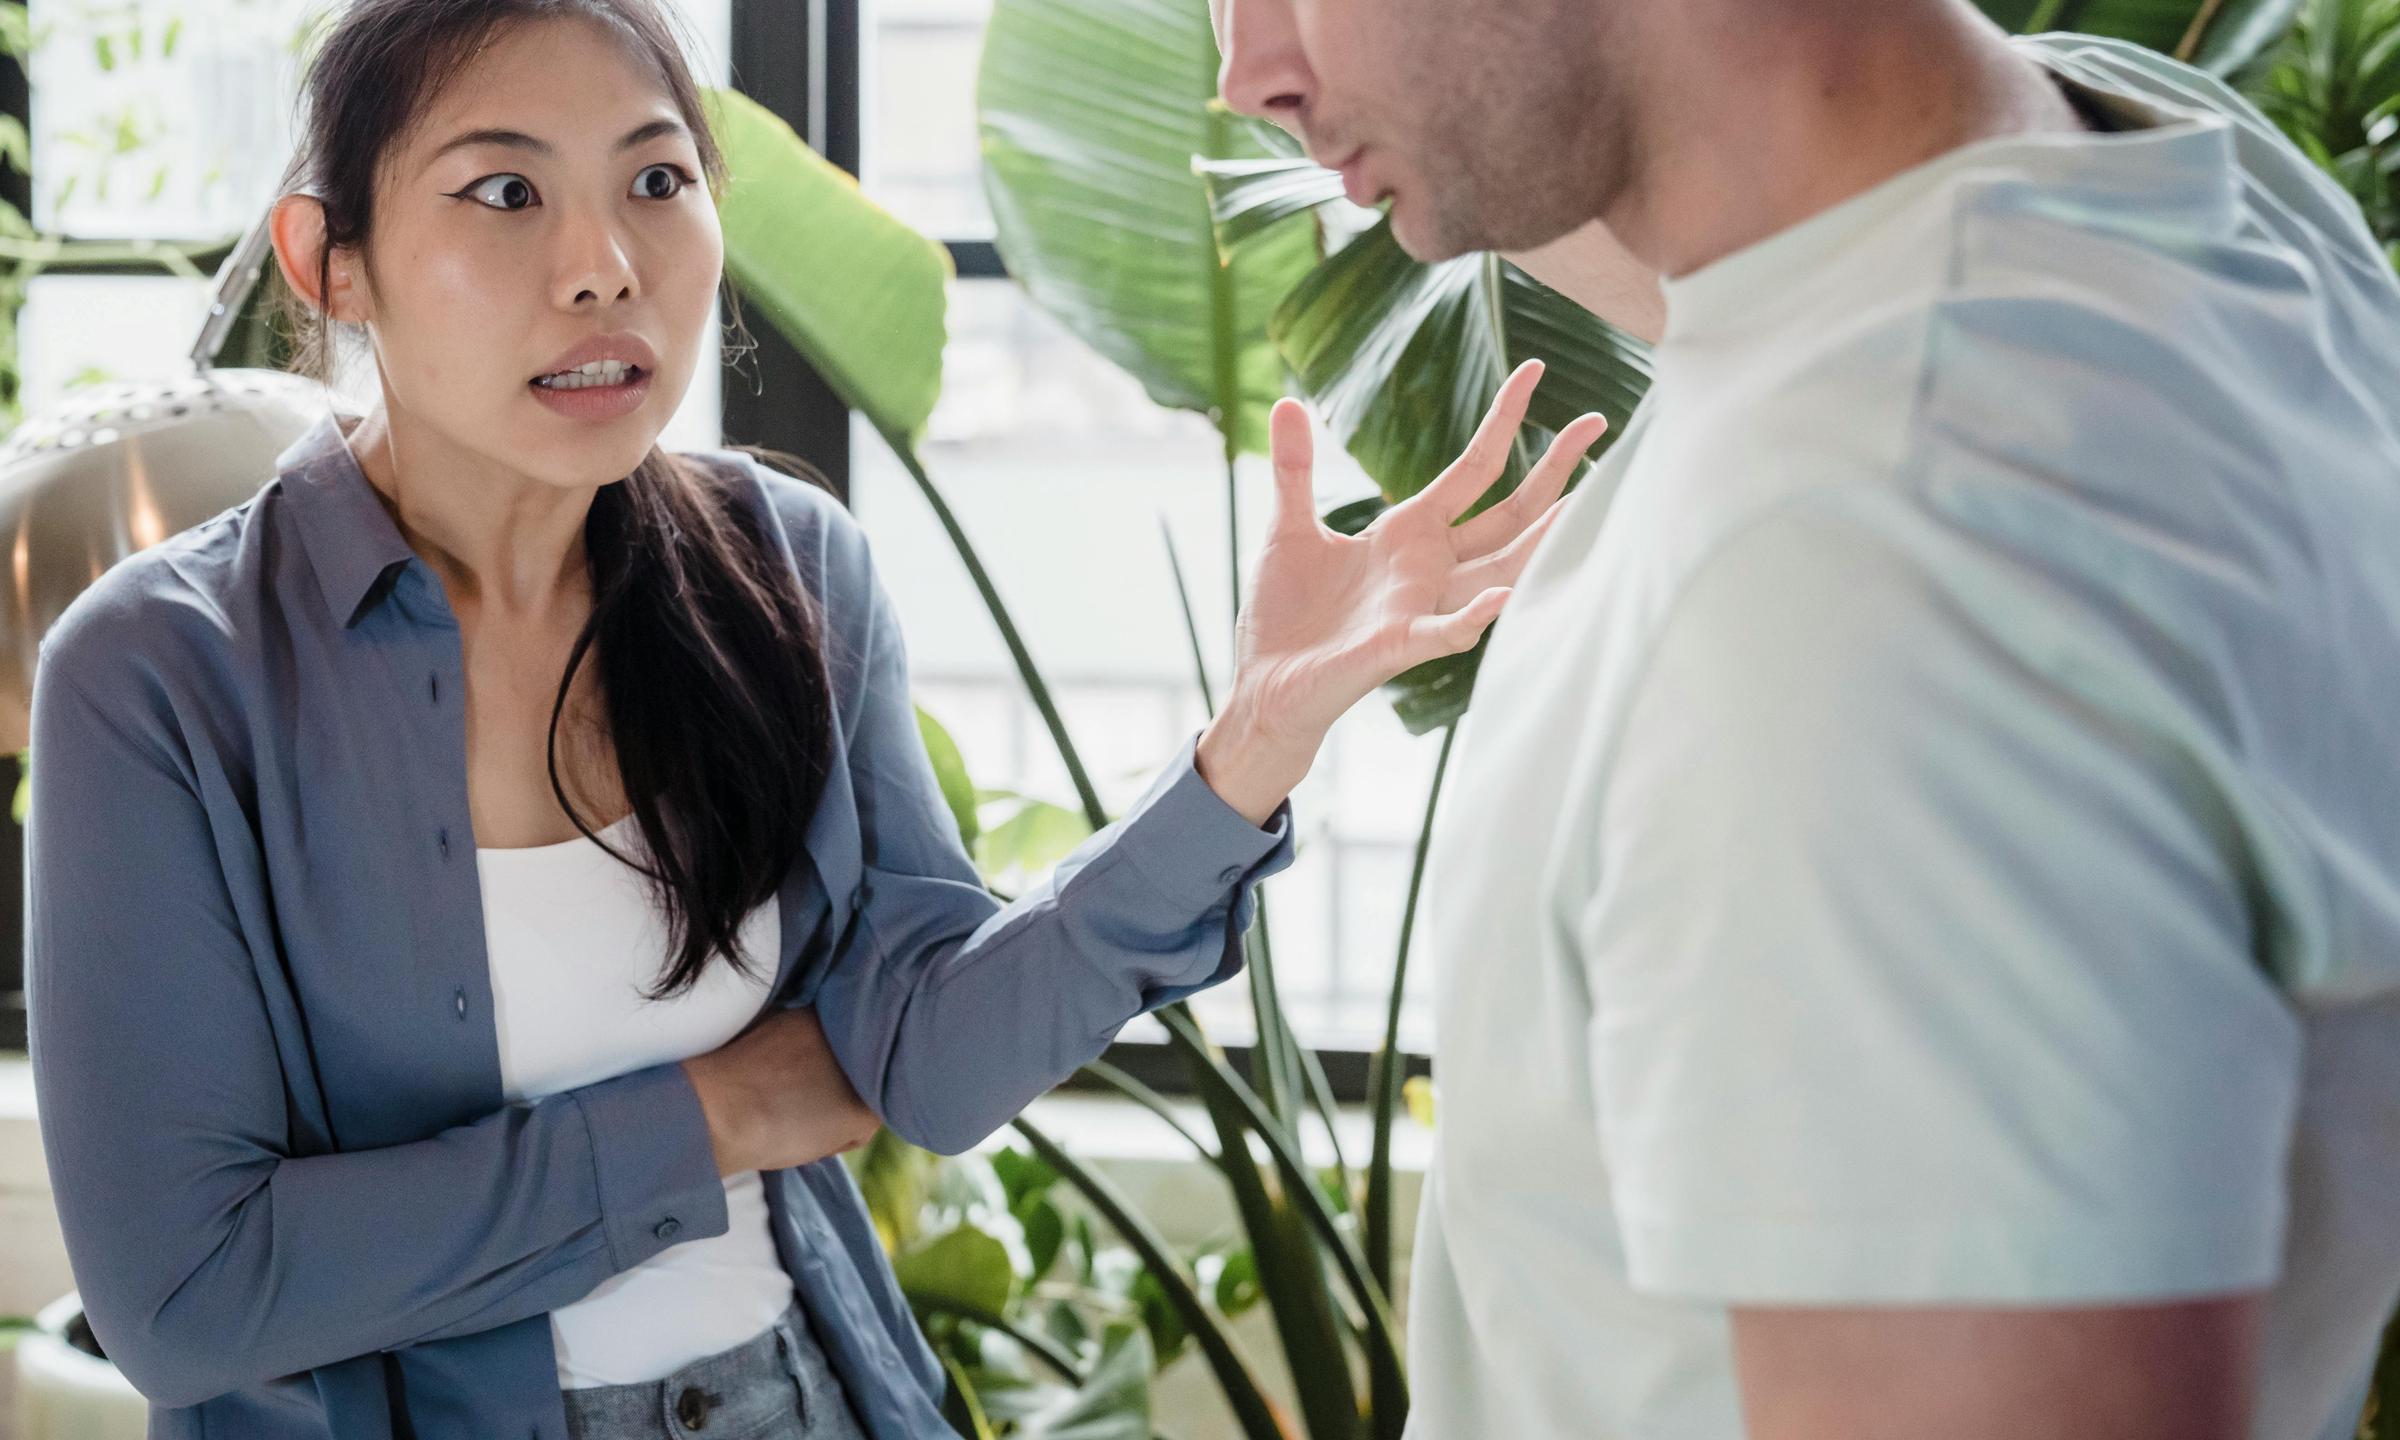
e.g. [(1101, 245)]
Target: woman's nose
[(595, 264)]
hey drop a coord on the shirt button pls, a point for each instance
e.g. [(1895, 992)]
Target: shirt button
[(458, 1002), (441, 838), (433, 687), (1232, 875), (668, 1228)]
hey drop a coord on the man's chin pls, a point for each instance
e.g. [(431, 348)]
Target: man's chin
[(1421, 237)]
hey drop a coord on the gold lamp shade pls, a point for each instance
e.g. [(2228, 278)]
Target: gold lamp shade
[(117, 468)]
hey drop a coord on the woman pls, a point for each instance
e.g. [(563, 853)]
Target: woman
[(416, 848)]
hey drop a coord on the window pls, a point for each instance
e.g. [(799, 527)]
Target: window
[(170, 120)]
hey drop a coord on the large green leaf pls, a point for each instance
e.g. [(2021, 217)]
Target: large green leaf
[(966, 1266), (1092, 112), (950, 772), (856, 291), (2221, 35)]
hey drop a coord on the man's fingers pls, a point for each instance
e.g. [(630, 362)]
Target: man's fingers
[(1457, 487), (1502, 523), (1293, 447)]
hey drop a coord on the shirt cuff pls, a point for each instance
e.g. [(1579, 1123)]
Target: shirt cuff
[(656, 1167), (1198, 852)]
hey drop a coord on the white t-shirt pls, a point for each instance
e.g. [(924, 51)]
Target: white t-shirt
[(573, 939), (1929, 827)]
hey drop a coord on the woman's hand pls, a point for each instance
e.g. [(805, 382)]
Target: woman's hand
[(1331, 616), (774, 1096)]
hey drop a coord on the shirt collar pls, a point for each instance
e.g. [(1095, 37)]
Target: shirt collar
[(349, 537), (2173, 165)]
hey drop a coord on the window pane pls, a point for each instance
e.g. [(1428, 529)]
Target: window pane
[(106, 328), (920, 150), (1063, 472), (171, 118)]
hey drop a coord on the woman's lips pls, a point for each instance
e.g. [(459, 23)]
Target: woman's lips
[(596, 402)]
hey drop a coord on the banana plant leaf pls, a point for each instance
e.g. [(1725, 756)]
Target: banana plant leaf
[(1092, 112), (857, 292), (2218, 35)]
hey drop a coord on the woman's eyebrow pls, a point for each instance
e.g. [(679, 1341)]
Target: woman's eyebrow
[(519, 140)]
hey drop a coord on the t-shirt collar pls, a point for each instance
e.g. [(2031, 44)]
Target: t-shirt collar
[(2177, 166)]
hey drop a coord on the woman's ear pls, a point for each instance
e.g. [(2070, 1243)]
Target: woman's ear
[(297, 226)]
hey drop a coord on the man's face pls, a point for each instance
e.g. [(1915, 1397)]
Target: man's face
[(1489, 124)]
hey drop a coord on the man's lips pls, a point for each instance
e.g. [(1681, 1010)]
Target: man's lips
[(1355, 183)]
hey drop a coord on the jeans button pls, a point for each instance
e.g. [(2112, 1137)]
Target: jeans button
[(691, 1409)]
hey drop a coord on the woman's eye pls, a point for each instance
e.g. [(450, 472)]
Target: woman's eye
[(660, 182), (501, 192)]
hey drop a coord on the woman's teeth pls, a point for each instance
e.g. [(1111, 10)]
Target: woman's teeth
[(583, 377)]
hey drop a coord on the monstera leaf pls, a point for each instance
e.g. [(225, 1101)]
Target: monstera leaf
[(1092, 112)]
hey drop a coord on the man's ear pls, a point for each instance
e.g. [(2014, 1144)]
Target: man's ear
[(297, 227)]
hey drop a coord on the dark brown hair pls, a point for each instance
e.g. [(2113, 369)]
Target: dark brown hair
[(710, 653)]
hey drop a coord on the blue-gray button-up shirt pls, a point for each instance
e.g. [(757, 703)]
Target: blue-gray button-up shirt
[(296, 1200)]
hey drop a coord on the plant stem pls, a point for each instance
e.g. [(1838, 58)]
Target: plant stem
[(1051, 1352), (1191, 620), (1372, 1298), (1026, 670), (1291, 1269), (2189, 46), (1383, 1083), (1150, 1100), (1243, 1393)]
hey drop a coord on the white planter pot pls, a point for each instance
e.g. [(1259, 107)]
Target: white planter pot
[(64, 1394)]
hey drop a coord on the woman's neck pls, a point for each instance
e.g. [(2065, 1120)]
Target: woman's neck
[(504, 545)]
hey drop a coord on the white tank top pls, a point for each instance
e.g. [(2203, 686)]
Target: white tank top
[(573, 940)]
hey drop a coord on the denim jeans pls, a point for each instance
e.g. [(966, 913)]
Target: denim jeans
[(776, 1386)]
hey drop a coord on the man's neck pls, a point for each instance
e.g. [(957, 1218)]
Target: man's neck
[(1812, 113)]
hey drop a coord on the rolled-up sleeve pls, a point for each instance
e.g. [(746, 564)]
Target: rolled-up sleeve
[(209, 1256), (948, 1011)]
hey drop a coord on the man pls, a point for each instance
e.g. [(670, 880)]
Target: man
[(1918, 903)]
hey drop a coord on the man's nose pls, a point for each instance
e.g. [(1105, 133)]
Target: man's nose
[(1264, 72)]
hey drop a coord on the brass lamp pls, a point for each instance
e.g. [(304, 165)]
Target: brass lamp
[(118, 468), (113, 469)]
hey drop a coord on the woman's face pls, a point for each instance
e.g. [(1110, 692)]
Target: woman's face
[(547, 209)]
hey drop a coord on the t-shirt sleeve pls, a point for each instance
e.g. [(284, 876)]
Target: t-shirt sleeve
[(1923, 951)]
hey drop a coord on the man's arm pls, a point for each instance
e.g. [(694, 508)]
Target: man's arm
[(2181, 1371)]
